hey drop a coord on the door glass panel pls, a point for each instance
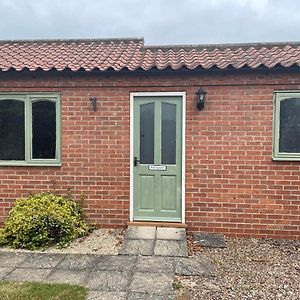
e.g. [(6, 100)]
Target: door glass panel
[(168, 133), (147, 133), (43, 129), (289, 137), (12, 130)]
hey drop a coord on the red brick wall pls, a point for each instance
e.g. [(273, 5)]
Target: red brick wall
[(232, 184)]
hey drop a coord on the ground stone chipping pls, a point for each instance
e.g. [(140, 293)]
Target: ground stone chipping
[(245, 269)]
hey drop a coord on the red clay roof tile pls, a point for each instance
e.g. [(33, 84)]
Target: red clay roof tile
[(131, 54)]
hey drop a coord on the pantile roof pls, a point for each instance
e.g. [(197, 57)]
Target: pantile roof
[(132, 54)]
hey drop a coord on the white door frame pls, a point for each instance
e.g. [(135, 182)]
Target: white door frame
[(158, 94)]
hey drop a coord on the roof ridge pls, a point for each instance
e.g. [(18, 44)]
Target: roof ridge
[(221, 46), (88, 40)]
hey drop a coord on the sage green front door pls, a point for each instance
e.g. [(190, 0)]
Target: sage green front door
[(157, 149)]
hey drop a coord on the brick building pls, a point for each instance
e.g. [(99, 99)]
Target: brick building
[(203, 135)]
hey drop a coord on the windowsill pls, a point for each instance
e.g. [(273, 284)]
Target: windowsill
[(24, 164), (286, 158)]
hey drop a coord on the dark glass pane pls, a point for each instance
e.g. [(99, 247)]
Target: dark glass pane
[(43, 129), (12, 130), (168, 133), (147, 133), (289, 135)]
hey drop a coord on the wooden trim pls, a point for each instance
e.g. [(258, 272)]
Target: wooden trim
[(158, 224)]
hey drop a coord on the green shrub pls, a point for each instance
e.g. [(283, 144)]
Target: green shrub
[(42, 220)]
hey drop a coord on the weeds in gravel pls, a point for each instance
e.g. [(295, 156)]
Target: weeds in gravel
[(177, 285)]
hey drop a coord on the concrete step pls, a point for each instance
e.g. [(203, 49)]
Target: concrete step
[(152, 240)]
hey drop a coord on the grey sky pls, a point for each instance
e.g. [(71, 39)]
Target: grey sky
[(158, 21)]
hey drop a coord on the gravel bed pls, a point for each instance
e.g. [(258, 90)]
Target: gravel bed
[(246, 269), (100, 241)]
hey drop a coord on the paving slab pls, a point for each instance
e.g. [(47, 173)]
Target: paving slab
[(5, 271), (151, 283), (78, 262), (95, 295), (194, 267), (42, 260), (165, 233), (137, 247), (21, 274), (140, 232), (68, 276), (170, 248), (115, 263), (12, 259), (153, 264), (211, 240), (113, 281), (142, 296)]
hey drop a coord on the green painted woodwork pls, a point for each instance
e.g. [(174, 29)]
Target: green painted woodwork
[(168, 193), (157, 193), (280, 96), (12, 130), (28, 99)]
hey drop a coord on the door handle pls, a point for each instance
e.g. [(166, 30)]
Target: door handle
[(136, 161)]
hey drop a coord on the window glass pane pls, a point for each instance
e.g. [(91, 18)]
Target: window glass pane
[(289, 135), (168, 133), (12, 130), (43, 129), (147, 133)]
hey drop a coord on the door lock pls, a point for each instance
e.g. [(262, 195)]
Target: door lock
[(136, 161)]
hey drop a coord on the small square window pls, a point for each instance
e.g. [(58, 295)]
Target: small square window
[(286, 126), (30, 129)]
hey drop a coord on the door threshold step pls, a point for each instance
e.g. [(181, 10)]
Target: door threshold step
[(157, 224)]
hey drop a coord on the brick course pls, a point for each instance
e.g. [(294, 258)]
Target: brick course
[(232, 184)]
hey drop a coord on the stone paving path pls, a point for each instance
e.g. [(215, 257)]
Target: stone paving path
[(113, 277)]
